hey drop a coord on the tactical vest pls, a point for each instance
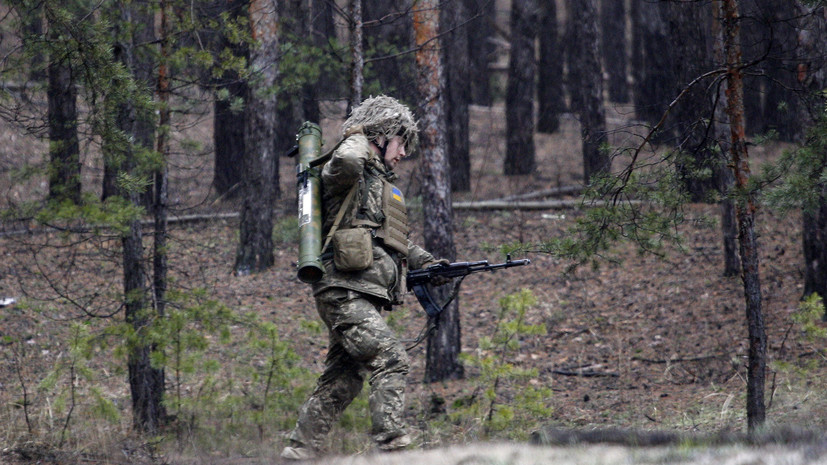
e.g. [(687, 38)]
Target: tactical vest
[(381, 207)]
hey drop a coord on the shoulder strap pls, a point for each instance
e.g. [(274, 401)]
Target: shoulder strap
[(339, 216)]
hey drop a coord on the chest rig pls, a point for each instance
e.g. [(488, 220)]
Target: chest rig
[(381, 206)]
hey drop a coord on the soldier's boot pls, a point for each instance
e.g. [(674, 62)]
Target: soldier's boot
[(395, 444), (298, 452)]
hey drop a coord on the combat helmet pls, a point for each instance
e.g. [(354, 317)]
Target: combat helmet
[(384, 116)]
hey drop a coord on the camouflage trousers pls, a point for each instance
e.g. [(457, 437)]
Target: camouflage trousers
[(360, 342)]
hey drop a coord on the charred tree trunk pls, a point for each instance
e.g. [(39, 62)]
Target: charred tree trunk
[(550, 97), (444, 345), (613, 25), (746, 207), (458, 92), (586, 86), (519, 94), (260, 164)]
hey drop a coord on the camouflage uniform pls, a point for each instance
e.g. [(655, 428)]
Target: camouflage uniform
[(349, 303)]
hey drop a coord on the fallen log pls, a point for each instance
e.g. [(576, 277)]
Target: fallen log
[(536, 205)]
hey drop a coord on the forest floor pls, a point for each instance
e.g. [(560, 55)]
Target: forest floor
[(647, 343)]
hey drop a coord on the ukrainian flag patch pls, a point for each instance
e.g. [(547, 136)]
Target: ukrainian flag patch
[(397, 195)]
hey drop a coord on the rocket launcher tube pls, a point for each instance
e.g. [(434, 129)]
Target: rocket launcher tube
[(308, 185)]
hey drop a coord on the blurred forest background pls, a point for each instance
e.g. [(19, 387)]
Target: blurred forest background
[(148, 298)]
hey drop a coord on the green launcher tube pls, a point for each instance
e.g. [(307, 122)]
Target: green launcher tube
[(310, 269)]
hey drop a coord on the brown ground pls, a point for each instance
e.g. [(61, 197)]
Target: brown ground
[(664, 340)]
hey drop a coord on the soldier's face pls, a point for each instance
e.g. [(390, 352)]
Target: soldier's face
[(394, 152)]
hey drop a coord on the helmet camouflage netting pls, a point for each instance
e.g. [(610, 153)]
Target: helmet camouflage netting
[(384, 116)]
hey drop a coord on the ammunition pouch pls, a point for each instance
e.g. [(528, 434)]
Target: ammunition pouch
[(352, 249)]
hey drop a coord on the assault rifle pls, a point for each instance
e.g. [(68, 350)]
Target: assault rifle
[(417, 279)]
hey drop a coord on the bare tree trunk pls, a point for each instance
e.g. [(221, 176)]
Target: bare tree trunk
[(613, 25), (458, 90), (586, 86), (444, 345), (550, 97), (745, 209), (260, 164), (519, 95)]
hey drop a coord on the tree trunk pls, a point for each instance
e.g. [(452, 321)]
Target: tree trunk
[(724, 176), (32, 26), (783, 89), (260, 164), (387, 36), (696, 163), (586, 85), (323, 31), (481, 49), (444, 345), (228, 123), (458, 90), (519, 94), (357, 55), (310, 89), (160, 206), (815, 249), (813, 76), (613, 25), (291, 99), (653, 62), (754, 44), (550, 98), (745, 210), (64, 149), (146, 382)]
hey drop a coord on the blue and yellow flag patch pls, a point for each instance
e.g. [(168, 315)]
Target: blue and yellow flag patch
[(397, 195)]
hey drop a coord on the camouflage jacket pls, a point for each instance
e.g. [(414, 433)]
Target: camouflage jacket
[(354, 162)]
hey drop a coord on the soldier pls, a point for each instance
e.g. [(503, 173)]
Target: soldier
[(366, 257)]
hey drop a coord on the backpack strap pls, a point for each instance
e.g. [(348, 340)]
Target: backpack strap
[(339, 216)]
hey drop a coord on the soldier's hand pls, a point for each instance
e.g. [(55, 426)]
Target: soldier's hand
[(438, 280)]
